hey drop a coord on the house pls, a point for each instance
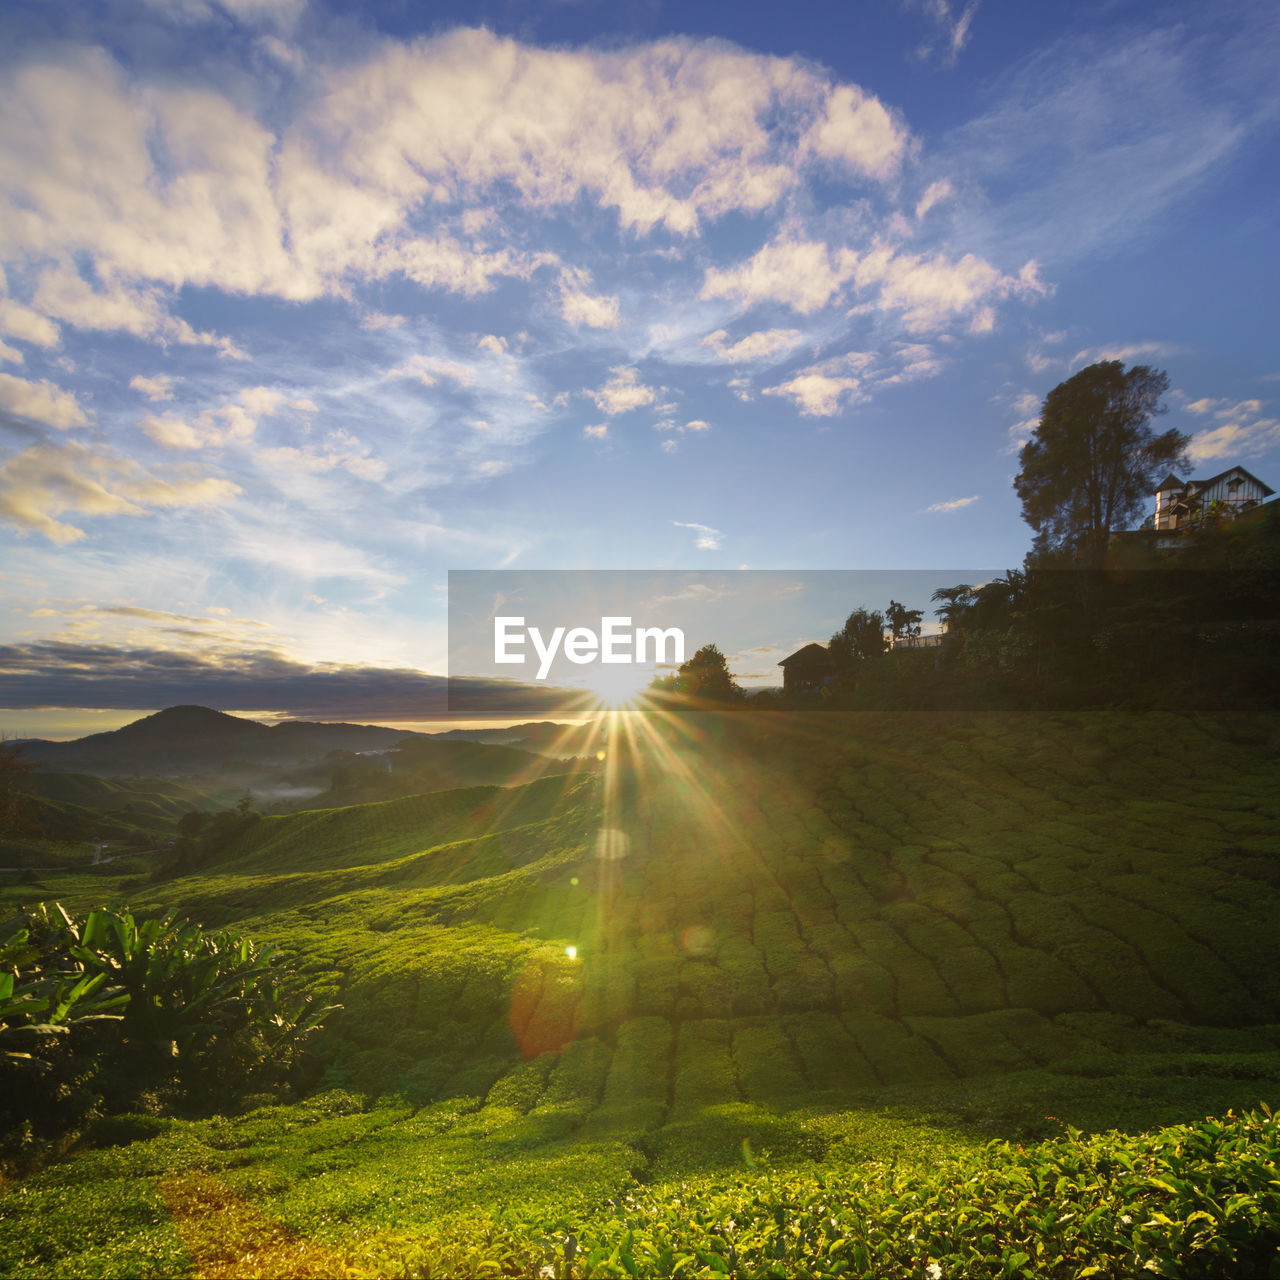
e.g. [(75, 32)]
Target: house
[(806, 670), (1183, 504), (934, 641)]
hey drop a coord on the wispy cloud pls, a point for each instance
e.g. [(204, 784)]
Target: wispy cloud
[(1243, 430), (1099, 135), (707, 539), (48, 480), (751, 347), (953, 504), (951, 28), (1127, 352)]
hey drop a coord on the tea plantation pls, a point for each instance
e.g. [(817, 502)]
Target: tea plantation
[(761, 994)]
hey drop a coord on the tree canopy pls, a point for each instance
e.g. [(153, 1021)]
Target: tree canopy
[(862, 636), (1093, 461), (705, 675)]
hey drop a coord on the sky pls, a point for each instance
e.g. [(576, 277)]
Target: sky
[(306, 304)]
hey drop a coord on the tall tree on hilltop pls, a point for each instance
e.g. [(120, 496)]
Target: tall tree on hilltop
[(1093, 461)]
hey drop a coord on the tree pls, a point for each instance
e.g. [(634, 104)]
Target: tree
[(903, 621), (956, 602), (861, 637), (707, 675), (1093, 461)]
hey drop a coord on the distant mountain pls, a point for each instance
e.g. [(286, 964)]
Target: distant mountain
[(186, 740), (545, 737), (421, 765)]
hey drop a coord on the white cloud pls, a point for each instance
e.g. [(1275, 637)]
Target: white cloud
[(578, 306), (1127, 353), (623, 392), (10, 354), (1243, 430), (152, 186), (1235, 440), (157, 388), (929, 291), (340, 450), (233, 422), (822, 390), (40, 401), (429, 369), (754, 346), (803, 274), (598, 432), (375, 320), (856, 128), (955, 504), (442, 262), (493, 344), (925, 291), (27, 324), (915, 360), (171, 432), (62, 294), (935, 193), (45, 481), (707, 539)]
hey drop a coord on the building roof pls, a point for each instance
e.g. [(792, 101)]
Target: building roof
[(810, 653), (1222, 475), (1172, 482)]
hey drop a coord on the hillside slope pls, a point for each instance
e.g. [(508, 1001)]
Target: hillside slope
[(753, 963), (785, 905)]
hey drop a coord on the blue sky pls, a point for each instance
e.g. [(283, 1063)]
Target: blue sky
[(305, 304)]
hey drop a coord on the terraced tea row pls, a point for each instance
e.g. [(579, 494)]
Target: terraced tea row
[(937, 898)]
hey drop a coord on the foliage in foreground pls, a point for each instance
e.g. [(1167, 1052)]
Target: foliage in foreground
[(1193, 1200), (1197, 1200), (96, 1010)]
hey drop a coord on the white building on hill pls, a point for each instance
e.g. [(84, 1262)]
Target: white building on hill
[(1184, 503)]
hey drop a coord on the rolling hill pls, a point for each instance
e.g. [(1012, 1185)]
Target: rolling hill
[(773, 940), (196, 740)]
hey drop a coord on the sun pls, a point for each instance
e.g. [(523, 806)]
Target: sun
[(618, 685)]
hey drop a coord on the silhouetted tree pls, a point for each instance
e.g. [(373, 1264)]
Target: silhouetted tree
[(707, 675), (1093, 460), (956, 602), (903, 621), (861, 637)]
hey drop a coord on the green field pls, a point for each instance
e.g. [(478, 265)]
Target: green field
[(791, 972)]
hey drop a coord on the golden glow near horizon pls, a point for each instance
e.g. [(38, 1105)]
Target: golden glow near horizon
[(618, 685)]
